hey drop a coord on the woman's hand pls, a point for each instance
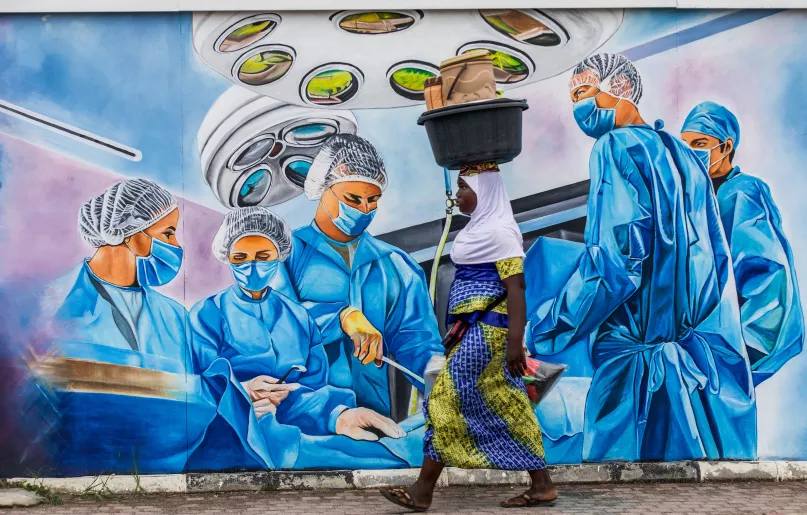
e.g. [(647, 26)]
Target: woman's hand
[(516, 360), (516, 357), (367, 340), (354, 423)]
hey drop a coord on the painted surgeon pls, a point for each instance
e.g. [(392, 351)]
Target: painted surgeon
[(109, 300), (765, 275), (654, 282), (264, 335), (106, 313), (369, 299)]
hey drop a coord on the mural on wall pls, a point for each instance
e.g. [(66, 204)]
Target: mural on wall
[(218, 252)]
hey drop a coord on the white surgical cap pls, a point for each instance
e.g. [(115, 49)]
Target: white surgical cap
[(124, 209), (252, 221), (611, 73), (344, 158)]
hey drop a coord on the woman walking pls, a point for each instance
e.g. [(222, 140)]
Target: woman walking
[(478, 414)]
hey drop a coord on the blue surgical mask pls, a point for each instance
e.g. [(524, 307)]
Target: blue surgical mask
[(704, 155), (593, 120), (254, 275), (160, 266), (351, 221)]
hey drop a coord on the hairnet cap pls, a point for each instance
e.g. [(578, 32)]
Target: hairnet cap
[(124, 209), (343, 158), (713, 120), (611, 73), (252, 221)]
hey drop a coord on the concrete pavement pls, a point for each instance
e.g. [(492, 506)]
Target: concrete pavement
[(681, 498)]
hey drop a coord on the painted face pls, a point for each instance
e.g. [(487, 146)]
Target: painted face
[(253, 248), (164, 230), (253, 261), (710, 150), (159, 256), (466, 197), (351, 205), (582, 92)]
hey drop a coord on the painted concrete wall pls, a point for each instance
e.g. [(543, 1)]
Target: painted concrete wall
[(87, 101)]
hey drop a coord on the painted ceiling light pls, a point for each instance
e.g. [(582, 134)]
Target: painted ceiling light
[(331, 85), (257, 151), (376, 22), (524, 26), (264, 66), (408, 79), (381, 59), (247, 32), (509, 65)]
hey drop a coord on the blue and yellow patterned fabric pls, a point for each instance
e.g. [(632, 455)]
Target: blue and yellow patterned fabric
[(477, 414)]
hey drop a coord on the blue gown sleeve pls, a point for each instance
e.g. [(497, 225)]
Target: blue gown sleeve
[(207, 333), (618, 240), (411, 332), (316, 406), (770, 307)]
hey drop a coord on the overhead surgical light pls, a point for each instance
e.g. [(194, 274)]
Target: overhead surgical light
[(376, 22), (380, 59), (257, 151), (247, 32)]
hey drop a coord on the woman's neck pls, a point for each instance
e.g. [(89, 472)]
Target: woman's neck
[(115, 265)]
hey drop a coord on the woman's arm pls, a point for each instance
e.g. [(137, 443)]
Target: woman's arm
[(517, 319)]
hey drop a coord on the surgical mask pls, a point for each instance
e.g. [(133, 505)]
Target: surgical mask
[(254, 275), (593, 120), (160, 266), (351, 221), (705, 156)]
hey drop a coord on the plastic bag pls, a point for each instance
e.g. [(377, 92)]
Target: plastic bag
[(540, 378)]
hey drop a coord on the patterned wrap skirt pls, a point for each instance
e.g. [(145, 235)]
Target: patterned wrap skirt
[(478, 415)]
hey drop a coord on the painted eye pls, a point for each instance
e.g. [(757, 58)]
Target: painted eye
[(246, 34), (255, 188), (521, 26), (376, 22), (265, 67)]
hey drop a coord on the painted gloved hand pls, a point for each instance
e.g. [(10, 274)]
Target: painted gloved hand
[(367, 340), (366, 424), (266, 395)]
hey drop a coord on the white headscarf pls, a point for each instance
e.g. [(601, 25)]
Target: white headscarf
[(492, 234)]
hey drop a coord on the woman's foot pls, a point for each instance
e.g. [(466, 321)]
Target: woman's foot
[(415, 498), (533, 497)]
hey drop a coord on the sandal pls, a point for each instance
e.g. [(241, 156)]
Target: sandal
[(528, 502), (401, 497)]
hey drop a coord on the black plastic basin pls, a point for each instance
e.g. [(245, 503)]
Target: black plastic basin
[(477, 132)]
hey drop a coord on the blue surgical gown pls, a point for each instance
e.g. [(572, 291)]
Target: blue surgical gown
[(268, 337), (768, 291), (671, 377), (231, 331), (386, 285), (99, 432)]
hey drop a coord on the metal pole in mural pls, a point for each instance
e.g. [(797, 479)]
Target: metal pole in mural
[(74, 133)]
